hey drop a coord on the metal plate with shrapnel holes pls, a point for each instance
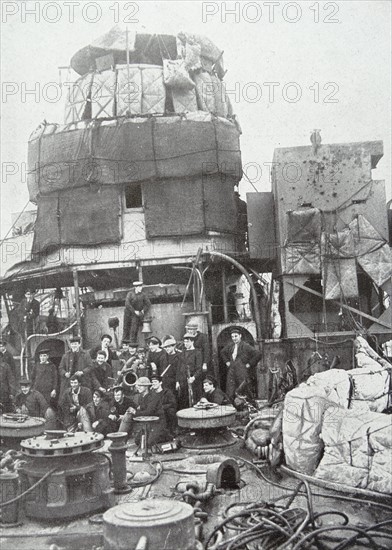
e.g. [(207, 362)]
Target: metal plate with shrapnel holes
[(65, 445)]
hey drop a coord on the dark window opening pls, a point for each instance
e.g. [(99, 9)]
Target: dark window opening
[(133, 196)]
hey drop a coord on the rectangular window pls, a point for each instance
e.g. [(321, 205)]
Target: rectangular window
[(133, 196)]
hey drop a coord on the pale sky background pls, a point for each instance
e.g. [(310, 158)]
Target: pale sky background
[(353, 53)]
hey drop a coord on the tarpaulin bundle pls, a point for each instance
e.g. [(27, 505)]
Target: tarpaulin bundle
[(143, 48), (357, 447), (196, 49), (309, 407), (131, 150)]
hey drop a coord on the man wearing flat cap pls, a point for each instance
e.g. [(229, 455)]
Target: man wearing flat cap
[(241, 360), (45, 377), (137, 305), (169, 375)]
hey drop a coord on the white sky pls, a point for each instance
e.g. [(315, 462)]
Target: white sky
[(349, 60)]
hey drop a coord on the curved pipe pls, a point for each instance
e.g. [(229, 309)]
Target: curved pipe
[(40, 335), (252, 289)]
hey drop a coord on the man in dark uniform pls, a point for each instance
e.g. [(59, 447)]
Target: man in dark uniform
[(44, 377), (200, 342), (169, 402), (169, 375), (8, 358), (29, 311), (75, 361), (137, 305), (190, 374), (212, 393), (118, 407), (95, 416), (101, 374), (72, 401), (104, 346), (241, 359), (7, 386), (156, 357), (150, 404), (29, 401), (231, 304)]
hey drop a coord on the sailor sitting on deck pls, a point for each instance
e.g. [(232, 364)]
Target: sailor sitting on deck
[(29, 401), (72, 401), (150, 404), (212, 393)]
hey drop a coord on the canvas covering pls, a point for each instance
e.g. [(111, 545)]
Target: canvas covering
[(137, 149), (61, 218), (302, 258)]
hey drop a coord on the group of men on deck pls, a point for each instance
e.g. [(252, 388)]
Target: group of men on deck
[(88, 391)]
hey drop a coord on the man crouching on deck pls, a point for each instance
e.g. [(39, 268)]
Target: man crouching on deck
[(150, 404)]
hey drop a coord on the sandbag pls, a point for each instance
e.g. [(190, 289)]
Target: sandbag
[(175, 74), (303, 410), (371, 387)]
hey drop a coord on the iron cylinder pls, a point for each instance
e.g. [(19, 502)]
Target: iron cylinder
[(119, 465), (164, 523), (9, 489)]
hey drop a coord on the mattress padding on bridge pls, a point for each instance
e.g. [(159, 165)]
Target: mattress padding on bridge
[(357, 449), (314, 417)]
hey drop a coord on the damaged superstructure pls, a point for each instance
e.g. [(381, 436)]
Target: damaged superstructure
[(139, 184)]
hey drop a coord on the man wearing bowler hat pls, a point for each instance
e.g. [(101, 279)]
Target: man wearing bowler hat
[(241, 360), (137, 305)]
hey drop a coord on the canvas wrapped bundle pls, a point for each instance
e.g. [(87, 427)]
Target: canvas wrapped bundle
[(311, 410), (304, 408), (357, 450)]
